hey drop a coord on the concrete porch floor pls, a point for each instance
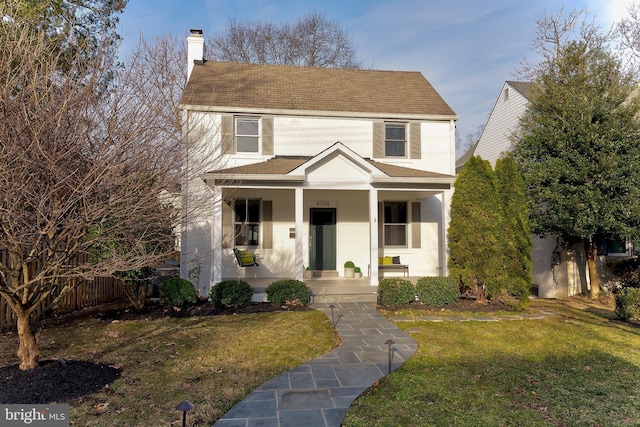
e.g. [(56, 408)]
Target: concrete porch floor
[(327, 289)]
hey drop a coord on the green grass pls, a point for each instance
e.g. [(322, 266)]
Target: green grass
[(580, 368), (577, 369), (213, 362)]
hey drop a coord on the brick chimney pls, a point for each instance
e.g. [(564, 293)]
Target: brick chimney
[(195, 50)]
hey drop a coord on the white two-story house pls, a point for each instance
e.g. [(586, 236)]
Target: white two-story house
[(312, 167)]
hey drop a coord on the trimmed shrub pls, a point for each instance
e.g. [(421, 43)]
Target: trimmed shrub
[(231, 293), (395, 290), (437, 290), (288, 292), (628, 303), (177, 292)]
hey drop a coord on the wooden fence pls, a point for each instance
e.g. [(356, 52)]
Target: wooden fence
[(85, 294)]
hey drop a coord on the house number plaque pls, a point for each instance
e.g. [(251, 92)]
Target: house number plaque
[(324, 203)]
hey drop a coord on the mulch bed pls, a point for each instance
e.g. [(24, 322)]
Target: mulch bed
[(464, 304), (54, 381)]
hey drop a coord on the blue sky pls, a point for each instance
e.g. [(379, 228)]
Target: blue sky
[(466, 48)]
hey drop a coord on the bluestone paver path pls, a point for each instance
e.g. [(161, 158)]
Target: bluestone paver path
[(318, 393)]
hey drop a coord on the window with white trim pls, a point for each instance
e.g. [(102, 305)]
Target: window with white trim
[(395, 223), (395, 140), (246, 222), (247, 134)]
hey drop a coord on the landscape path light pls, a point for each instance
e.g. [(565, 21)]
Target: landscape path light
[(184, 406), (332, 321), (390, 342)]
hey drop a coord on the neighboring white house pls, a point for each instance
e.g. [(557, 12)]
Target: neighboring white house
[(557, 272), (313, 167)]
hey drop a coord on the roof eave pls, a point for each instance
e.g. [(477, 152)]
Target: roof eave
[(231, 177), (279, 179), (294, 112), (414, 180)]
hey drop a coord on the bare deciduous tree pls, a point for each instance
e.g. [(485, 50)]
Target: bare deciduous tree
[(82, 164), (312, 41), (556, 29), (628, 33)]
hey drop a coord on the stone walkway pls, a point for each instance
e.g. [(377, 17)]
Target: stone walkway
[(318, 393)]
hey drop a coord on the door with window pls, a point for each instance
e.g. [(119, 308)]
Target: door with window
[(322, 238)]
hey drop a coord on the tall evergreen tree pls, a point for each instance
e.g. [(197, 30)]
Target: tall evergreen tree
[(476, 253), (517, 229), (578, 149)]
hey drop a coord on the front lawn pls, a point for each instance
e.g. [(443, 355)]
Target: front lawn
[(211, 361), (580, 368)]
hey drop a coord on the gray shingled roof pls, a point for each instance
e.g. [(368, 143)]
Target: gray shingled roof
[(279, 87), (523, 87), (284, 165)]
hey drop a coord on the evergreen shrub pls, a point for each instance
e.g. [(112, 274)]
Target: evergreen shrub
[(394, 290), (177, 292), (231, 293), (437, 290), (628, 303), (288, 291)]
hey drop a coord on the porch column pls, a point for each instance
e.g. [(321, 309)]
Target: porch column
[(444, 246), (299, 217), (216, 238), (373, 236)]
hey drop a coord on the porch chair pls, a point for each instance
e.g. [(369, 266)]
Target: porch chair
[(245, 258)]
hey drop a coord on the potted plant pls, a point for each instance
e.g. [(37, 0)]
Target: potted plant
[(349, 268), (308, 272), (357, 273)]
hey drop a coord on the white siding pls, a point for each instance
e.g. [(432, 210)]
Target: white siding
[(423, 261), (503, 121), (337, 179), (196, 251), (308, 136), (436, 148)]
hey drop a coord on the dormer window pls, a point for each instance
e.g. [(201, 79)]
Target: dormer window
[(247, 134), (395, 140)]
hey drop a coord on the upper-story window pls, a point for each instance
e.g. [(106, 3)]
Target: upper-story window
[(247, 134), (395, 140)]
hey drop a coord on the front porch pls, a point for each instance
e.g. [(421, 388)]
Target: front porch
[(328, 289), (319, 212)]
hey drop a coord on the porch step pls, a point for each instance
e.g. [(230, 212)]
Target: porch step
[(327, 298), (338, 298), (325, 273)]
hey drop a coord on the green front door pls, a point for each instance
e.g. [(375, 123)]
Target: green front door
[(322, 238)]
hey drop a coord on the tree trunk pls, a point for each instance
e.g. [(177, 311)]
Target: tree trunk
[(592, 254), (28, 346)]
